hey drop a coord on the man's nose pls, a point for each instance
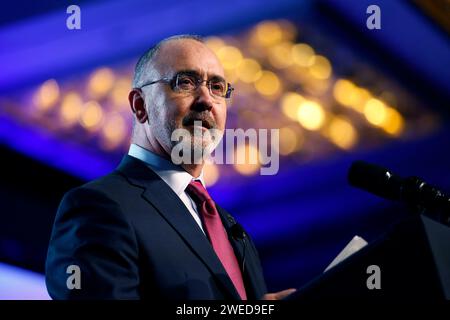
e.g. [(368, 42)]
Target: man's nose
[(204, 98)]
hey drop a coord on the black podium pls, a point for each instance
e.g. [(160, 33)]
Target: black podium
[(413, 258)]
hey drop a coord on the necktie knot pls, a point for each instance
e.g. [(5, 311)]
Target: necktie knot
[(196, 190)]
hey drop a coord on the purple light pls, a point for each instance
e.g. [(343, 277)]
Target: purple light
[(48, 149), (21, 284)]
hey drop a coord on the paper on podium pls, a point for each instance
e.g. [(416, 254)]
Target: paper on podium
[(356, 244)]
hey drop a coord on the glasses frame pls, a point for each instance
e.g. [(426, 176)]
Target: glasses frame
[(174, 81)]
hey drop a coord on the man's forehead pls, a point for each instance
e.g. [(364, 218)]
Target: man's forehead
[(188, 54)]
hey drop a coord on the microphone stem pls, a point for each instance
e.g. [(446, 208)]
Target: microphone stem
[(243, 255)]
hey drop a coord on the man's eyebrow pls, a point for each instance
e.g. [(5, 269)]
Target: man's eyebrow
[(196, 73), (217, 77), (189, 72)]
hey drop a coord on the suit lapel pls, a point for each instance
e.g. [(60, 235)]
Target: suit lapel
[(173, 210)]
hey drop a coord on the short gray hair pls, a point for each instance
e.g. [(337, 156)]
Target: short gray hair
[(148, 56)]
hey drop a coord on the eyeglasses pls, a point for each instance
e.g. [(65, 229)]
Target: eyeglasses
[(190, 81)]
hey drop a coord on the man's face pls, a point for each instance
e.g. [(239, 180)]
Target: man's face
[(169, 110)]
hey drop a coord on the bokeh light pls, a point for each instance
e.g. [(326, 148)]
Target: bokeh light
[(92, 115), (290, 103), (101, 82), (342, 133), (268, 84), (247, 159), (71, 108), (47, 95), (311, 115), (211, 174)]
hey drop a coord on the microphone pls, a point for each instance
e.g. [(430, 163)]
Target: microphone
[(238, 233), (411, 190)]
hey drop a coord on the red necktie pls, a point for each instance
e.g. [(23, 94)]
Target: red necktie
[(217, 234)]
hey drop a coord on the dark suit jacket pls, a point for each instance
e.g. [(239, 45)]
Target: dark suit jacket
[(133, 238)]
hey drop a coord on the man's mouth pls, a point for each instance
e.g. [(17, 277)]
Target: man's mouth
[(198, 122)]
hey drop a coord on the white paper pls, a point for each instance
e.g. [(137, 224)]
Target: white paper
[(356, 244)]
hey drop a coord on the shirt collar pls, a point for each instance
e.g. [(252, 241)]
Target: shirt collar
[(175, 176)]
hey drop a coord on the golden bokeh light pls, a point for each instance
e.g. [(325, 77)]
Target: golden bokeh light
[(394, 123), (114, 131), (230, 57), (248, 70), (92, 115), (291, 140), (214, 43), (303, 55), (268, 84), (71, 108), (100, 82), (342, 91), (375, 112), (231, 75), (321, 68), (211, 174), (342, 133), (348, 94), (280, 55), (290, 103), (267, 33), (119, 93), (247, 159), (359, 98), (47, 95), (311, 115)]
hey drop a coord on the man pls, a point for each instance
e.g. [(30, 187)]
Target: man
[(149, 230)]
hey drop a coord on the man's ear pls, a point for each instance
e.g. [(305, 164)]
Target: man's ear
[(137, 104)]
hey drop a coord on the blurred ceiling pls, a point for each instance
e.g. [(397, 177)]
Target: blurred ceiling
[(436, 10), (15, 11), (117, 31)]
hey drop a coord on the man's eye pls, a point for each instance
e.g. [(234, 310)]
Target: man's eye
[(186, 81), (218, 86)]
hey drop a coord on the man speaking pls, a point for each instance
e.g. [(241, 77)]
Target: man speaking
[(149, 229)]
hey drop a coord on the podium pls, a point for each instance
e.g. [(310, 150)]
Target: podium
[(413, 260)]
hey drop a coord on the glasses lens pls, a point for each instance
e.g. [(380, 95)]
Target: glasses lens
[(186, 82), (218, 88)]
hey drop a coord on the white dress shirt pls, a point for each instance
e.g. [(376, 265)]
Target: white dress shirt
[(175, 177)]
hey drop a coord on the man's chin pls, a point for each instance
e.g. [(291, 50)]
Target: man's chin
[(204, 146)]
